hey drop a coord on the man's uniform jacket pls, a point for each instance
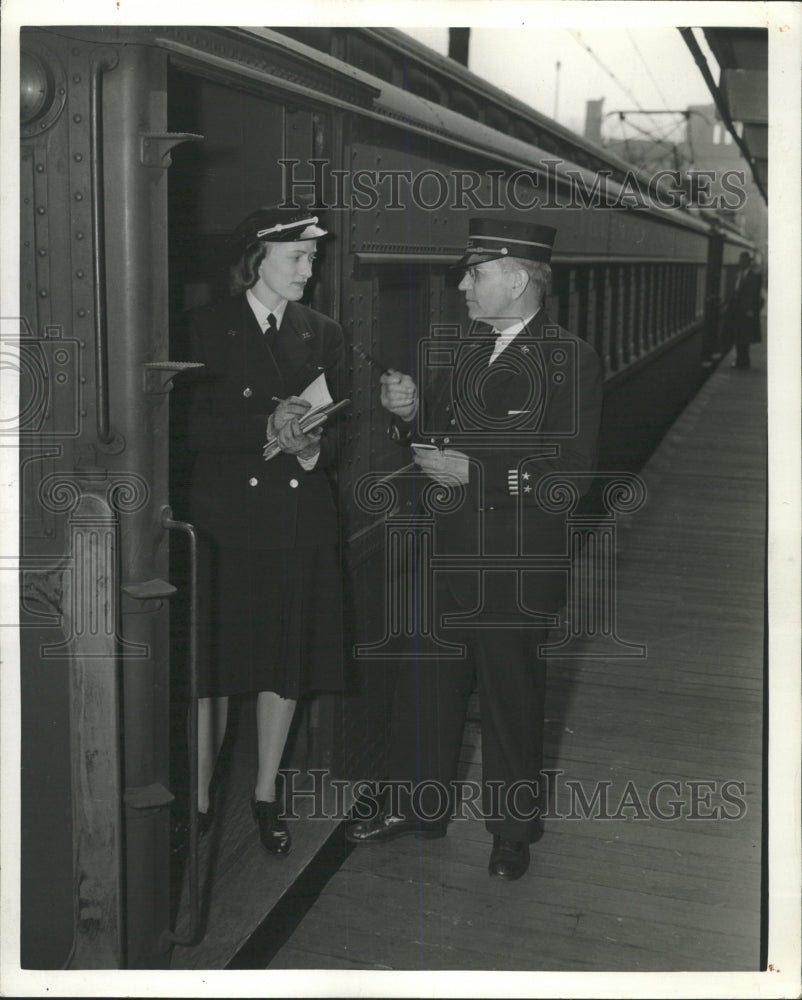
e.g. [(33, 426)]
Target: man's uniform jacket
[(555, 376)]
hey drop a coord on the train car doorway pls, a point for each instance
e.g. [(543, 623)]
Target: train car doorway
[(214, 183)]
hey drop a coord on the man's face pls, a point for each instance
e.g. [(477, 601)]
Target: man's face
[(488, 290), (287, 268)]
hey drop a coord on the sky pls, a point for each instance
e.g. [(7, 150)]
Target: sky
[(634, 67)]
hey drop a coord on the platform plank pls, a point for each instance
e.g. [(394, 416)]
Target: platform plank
[(646, 894)]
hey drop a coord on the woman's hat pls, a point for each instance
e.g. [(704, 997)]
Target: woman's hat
[(491, 238), (277, 224)]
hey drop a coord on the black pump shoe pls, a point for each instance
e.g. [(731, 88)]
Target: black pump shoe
[(273, 832)]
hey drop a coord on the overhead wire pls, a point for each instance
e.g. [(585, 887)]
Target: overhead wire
[(576, 35)]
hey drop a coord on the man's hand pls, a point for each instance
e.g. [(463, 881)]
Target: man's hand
[(399, 395), (448, 467)]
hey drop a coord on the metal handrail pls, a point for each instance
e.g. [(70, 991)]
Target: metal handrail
[(101, 61), (173, 937)]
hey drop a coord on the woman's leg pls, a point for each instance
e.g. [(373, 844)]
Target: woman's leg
[(212, 719), (273, 718)]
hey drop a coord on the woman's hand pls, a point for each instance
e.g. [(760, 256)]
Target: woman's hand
[(293, 441), (287, 410)]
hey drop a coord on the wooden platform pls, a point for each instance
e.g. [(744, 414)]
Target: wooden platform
[(620, 894)]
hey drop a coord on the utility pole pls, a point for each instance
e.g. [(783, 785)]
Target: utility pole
[(556, 88)]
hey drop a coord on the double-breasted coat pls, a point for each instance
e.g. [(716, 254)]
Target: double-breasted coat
[(271, 578), (535, 410)]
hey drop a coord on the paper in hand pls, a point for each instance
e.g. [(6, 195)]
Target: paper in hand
[(317, 392)]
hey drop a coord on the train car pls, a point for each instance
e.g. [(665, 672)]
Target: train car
[(140, 149)]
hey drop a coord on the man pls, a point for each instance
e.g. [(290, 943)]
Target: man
[(745, 309), (514, 408)]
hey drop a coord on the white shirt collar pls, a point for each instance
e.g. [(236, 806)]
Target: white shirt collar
[(261, 312), (506, 337)]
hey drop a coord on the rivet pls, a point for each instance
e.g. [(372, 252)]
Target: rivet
[(83, 413), (79, 273), (82, 344), (61, 91), (76, 78), (40, 168), (61, 378), (79, 236), (27, 201), (41, 210), (78, 157), (42, 293), (79, 196), (82, 379), (77, 119), (42, 252), (82, 313)]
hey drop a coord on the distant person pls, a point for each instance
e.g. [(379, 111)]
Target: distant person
[(268, 529), (745, 309), (523, 380)]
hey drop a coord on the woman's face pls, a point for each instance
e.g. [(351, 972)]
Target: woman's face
[(284, 272)]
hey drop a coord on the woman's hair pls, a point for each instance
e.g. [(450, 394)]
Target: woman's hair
[(244, 272)]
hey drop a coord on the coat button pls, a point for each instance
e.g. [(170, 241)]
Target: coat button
[(247, 393), (253, 481), (294, 483)]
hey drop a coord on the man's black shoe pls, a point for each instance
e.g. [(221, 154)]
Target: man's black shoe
[(386, 827), (509, 859)]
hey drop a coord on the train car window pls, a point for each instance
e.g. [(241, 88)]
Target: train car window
[(497, 120), (423, 85), (625, 316), (364, 55), (614, 317), (464, 105)]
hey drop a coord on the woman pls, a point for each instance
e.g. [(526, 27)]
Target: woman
[(268, 528)]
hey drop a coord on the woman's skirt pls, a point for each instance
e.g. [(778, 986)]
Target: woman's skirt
[(269, 621)]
